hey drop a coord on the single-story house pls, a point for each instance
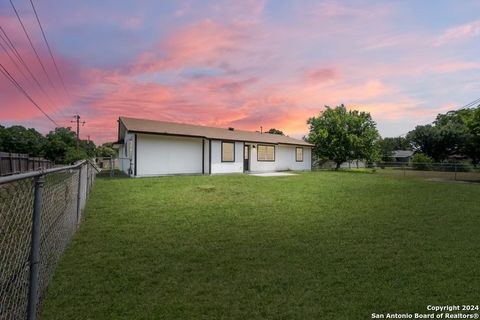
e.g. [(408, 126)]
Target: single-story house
[(402, 155), (152, 148)]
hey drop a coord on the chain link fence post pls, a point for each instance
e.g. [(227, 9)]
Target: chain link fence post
[(79, 193), (88, 180), (35, 248)]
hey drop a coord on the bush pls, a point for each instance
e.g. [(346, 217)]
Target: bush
[(422, 162)]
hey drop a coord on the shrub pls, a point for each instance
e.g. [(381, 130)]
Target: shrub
[(422, 162)]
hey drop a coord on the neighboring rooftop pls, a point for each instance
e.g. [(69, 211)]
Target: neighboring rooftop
[(182, 129), (402, 153)]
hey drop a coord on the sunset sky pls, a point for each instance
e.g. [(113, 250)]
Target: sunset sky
[(243, 64)]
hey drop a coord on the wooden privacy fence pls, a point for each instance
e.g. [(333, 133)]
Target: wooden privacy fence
[(13, 163)]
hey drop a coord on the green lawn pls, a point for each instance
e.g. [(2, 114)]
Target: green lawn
[(324, 245)]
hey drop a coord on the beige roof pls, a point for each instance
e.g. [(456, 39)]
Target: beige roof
[(182, 129)]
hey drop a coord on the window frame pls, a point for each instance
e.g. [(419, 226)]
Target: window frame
[(266, 145), (296, 159), (221, 156)]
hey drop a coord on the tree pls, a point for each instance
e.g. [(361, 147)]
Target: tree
[(105, 151), (89, 147), (18, 139), (342, 135), (3, 135), (452, 133), (425, 139), (275, 131), (472, 144), (61, 146)]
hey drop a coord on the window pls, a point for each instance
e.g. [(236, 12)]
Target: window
[(265, 153), (299, 154), (228, 152)]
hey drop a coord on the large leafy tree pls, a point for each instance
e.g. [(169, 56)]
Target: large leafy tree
[(341, 135), (454, 132), (59, 142), (89, 147), (105, 151), (472, 144), (426, 139), (61, 146), (18, 139)]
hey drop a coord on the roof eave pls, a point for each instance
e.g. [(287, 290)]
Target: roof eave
[(305, 144)]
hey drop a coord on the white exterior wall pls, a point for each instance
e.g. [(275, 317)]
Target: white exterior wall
[(162, 155), (284, 159), (226, 167)]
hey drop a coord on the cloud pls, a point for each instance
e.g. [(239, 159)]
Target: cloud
[(461, 32), (203, 43), (338, 9), (455, 66), (243, 64), (321, 75), (51, 97)]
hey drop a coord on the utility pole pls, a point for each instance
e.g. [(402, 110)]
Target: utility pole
[(77, 120)]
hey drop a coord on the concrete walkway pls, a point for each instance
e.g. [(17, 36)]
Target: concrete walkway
[(273, 174)]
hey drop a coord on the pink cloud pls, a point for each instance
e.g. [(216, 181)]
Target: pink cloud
[(464, 31), (321, 75), (203, 43), (253, 71), (51, 98), (455, 66)]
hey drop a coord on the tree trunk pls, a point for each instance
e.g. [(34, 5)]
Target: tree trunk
[(338, 165)]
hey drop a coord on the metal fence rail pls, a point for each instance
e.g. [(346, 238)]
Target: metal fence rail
[(442, 171), (39, 213), (433, 171)]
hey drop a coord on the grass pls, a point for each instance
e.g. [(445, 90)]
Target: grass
[(324, 245)]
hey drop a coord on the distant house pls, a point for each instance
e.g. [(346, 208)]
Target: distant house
[(402, 155), (151, 148)]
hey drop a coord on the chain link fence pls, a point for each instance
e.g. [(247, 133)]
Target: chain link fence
[(39, 213), (431, 171), (456, 171)]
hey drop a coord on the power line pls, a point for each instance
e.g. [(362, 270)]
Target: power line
[(12, 47), (50, 50), (21, 89), (31, 44), (468, 105), (15, 63)]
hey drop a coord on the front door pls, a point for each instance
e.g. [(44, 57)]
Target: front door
[(246, 156)]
